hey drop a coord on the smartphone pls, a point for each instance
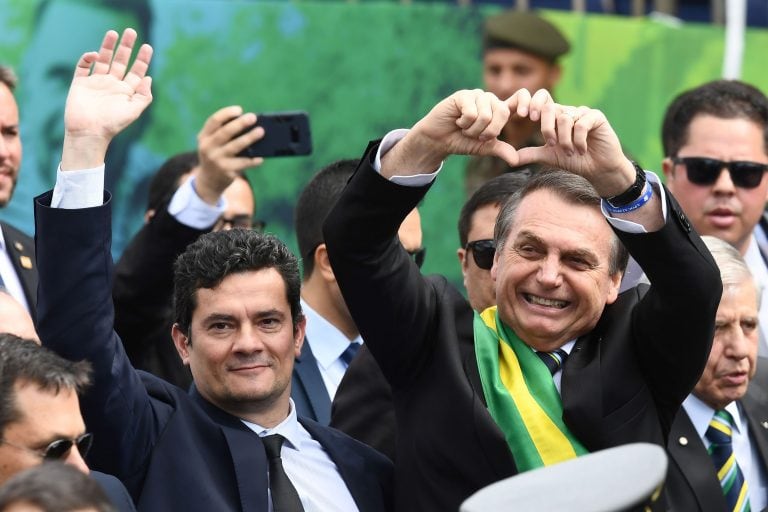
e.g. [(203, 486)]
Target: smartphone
[(285, 134)]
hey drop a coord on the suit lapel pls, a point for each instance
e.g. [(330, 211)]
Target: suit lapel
[(311, 381), (21, 252), (755, 406), (246, 452), (581, 391)]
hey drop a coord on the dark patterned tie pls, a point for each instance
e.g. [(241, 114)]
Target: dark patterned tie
[(349, 353), (553, 360), (284, 495), (732, 481)]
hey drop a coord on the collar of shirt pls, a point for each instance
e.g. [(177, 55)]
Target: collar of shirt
[(289, 428), (701, 414), (2, 239), (328, 342)]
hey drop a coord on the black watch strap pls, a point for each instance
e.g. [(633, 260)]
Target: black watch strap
[(633, 192)]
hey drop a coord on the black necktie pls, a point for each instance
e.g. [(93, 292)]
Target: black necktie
[(553, 360), (349, 352), (284, 495)]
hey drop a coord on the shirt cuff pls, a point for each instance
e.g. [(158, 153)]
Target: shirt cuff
[(187, 207), (82, 188), (415, 180), (633, 227)]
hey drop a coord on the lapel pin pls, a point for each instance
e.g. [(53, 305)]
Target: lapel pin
[(18, 246), (26, 262), (683, 441), (765, 424)]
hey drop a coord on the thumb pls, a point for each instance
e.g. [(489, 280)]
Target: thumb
[(506, 152), (532, 155)]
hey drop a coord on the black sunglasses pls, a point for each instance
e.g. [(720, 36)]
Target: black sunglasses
[(59, 448), (483, 252), (706, 171), (419, 255)]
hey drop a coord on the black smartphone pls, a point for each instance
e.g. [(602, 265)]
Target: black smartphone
[(285, 134)]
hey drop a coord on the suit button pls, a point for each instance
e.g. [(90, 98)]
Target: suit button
[(683, 441), (765, 424)]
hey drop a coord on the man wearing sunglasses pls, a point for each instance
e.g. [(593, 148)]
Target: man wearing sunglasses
[(192, 193), (715, 137), (332, 338), (40, 413)]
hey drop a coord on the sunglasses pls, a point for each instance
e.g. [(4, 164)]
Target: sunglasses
[(483, 252), (59, 449), (419, 255), (706, 171), (239, 221)]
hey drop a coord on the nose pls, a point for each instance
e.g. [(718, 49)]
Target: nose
[(75, 459), (738, 344), (724, 184), (248, 341), (549, 272)]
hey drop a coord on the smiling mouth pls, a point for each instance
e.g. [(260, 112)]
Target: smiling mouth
[(543, 301)]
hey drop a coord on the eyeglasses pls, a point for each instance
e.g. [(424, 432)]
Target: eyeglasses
[(483, 252), (59, 449), (418, 255), (706, 171), (242, 221)]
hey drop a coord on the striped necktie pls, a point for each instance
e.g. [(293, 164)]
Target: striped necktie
[(553, 360), (732, 481)]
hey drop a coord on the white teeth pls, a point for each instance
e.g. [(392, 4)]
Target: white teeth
[(541, 301)]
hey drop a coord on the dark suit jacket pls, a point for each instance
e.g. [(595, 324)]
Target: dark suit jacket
[(21, 251), (623, 382), (143, 296), (172, 450), (308, 389), (115, 491), (692, 483), (363, 406)]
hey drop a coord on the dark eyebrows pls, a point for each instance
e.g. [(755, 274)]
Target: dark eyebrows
[(582, 254), (528, 236)]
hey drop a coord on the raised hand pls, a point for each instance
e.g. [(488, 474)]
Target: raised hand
[(104, 98), (465, 123), (218, 144)]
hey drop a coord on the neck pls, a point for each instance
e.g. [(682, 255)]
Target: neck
[(329, 305)]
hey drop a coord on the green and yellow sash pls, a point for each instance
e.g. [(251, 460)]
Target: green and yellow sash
[(521, 396)]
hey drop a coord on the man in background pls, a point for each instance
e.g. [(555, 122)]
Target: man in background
[(521, 50)]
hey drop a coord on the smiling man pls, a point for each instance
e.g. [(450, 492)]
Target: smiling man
[(234, 442), (728, 399), (715, 139), (483, 396)]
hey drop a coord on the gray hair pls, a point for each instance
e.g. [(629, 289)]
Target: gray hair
[(8, 77), (570, 187), (734, 271)]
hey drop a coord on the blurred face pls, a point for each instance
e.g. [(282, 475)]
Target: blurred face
[(240, 206), (732, 361), (44, 417), (15, 319), (505, 70), (243, 343), (478, 282), (552, 275), (10, 144), (721, 209)]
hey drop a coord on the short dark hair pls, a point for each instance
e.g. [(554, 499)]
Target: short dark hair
[(492, 192), (8, 77), (315, 202), (167, 179), (55, 487), (24, 360), (212, 257), (573, 189), (726, 99)]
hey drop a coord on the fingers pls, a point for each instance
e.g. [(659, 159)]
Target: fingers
[(83, 67), (101, 67), (139, 68), (568, 127), (226, 133), (123, 54), (482, 114)]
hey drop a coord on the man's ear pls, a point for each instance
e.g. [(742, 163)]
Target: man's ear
[(181, 341), (668, 168), (298, 335), (323, 263), (555, 72)]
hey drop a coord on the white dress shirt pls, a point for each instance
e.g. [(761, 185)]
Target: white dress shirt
[(11, 280), (308, 466), (328, 343), (746, 454)]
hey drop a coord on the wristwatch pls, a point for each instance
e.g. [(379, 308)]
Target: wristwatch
[(633, 192)]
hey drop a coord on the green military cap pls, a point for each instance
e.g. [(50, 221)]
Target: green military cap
[(526, 31)]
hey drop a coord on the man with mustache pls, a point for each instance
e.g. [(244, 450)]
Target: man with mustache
[(729, 403), (715, 139)]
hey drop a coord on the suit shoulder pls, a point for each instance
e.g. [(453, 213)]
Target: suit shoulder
[(328, 435)]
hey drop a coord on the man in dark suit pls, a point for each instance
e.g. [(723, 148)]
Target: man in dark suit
[(474, 403), (18, 274), (234, 442), (40, 417), (733, 386), (332, 337)]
